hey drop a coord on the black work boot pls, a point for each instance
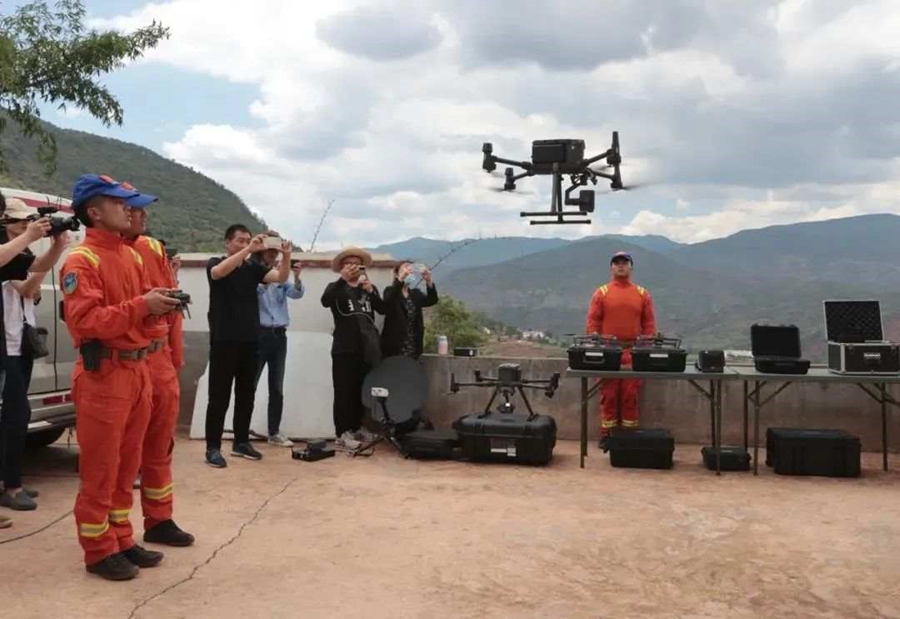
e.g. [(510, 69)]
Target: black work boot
[(604, 443), (168, 533), (142, 557), (114, 567)]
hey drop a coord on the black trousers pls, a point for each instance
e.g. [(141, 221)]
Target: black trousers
[(14, 419), (231, 363), (348, 373)]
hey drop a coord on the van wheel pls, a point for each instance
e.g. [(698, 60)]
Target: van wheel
[(44, 438)]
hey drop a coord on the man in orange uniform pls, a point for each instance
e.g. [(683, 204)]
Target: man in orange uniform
[(165, 359), (624, 310), (108, 308)]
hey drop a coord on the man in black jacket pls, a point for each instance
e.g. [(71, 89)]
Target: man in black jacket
[(404, 327), (353, 301)]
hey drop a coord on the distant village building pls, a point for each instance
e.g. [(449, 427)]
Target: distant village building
[(533, 335)]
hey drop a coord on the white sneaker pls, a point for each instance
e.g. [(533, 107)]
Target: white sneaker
[(363, 435), (346, 441), (280, 440)]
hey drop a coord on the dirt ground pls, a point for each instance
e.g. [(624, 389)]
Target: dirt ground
[(384, 537)]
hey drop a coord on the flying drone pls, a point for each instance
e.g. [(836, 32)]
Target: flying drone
[(560, 158)]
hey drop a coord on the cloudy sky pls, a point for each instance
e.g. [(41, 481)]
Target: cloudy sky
[(731, 114)]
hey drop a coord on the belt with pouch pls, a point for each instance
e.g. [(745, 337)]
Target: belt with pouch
[(135, 354)]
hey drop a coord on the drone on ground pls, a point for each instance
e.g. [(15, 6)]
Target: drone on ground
[(560, 158)]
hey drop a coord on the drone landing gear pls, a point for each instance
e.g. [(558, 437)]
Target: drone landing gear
[(585, 204)]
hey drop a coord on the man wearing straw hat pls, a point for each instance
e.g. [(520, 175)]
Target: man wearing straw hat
[(353, 301)]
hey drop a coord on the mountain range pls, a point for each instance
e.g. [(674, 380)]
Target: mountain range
[(707, 293), (193, 211)]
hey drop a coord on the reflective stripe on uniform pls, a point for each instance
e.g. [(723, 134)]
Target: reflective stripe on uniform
[(81, 250), (627, 423), (137, 256), (155, 245), (158, 494), (604, 289), (608, 423), (641, 291), (119, 516), (87, 529)]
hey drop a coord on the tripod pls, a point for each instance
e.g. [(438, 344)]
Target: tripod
[(387, 431)]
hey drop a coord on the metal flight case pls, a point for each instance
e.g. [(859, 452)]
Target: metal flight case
[(856, 343)]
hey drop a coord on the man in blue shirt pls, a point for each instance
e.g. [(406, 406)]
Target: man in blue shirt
[(274, 319)]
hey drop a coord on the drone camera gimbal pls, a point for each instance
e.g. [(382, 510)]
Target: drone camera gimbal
[(559, 158)]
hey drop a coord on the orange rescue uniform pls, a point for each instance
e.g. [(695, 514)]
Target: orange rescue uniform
[(164, 362), (624, 310), (103, 285)]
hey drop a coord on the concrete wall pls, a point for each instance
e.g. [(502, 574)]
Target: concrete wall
[(669, 403)]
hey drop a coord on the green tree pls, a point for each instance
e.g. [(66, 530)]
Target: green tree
[(451, 318), (47, 56)]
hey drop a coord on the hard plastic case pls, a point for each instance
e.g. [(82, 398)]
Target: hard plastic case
[(828, 453), (776, 349), (643, 448), (507, 437)]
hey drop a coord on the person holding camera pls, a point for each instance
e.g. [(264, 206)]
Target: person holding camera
[(164, 360), (109, 308), (355, 348), (274, 319), (22, 347), (234, 337), (404, 327)]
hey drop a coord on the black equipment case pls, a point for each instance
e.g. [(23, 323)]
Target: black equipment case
[(776, 349), (856, 342), (658, 354), (712, 361), (732, 458), (828, 453), (641, 448), (430, 444), (507, 437), (601, 353)]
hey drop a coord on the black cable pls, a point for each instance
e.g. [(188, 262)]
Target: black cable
[(41, 530)]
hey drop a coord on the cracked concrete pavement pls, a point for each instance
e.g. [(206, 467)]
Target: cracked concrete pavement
[(386, 537)]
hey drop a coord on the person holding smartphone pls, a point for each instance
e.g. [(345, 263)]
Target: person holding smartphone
[(274, 320), (353, 301), (404, 327)]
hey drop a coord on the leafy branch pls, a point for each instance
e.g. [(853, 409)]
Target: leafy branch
[(48, 56)]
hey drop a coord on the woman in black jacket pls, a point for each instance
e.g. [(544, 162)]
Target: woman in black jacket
[(404, 329)]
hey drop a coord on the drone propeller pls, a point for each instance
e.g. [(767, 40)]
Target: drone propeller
[(516, 191), (631, 186)]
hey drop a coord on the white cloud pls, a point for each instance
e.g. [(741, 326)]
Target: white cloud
[(741, 114)]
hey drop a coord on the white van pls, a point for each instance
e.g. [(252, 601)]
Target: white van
[(52, 410)]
